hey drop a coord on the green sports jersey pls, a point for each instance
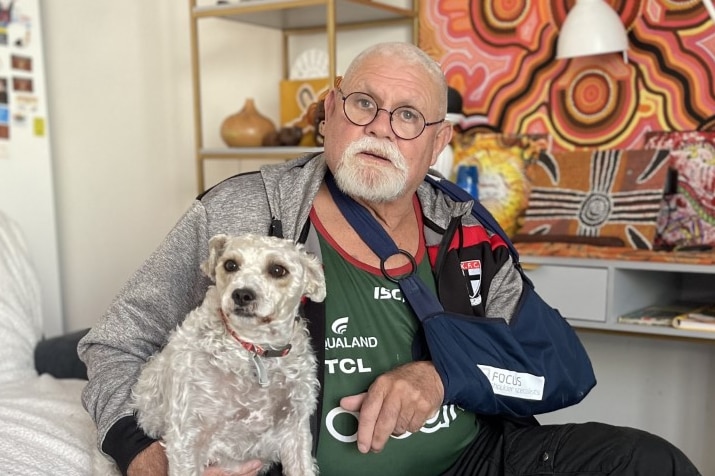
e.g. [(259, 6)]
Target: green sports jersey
[(369, 330)]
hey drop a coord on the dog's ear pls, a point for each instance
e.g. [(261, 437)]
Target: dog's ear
[(314, 278), (217, 243)]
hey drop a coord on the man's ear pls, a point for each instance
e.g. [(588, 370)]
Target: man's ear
[(441, 139), (217, 243), (329, 102)]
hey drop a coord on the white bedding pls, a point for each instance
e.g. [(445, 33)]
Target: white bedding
[(44, 430), (20, 305)]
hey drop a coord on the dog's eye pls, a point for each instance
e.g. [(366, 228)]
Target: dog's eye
[(230, 265), (277, 271)]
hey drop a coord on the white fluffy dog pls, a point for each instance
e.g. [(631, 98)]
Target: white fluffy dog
[(237, 380)]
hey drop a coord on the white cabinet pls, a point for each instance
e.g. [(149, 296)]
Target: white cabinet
[(592, 293), (291, 17), (577, 292)]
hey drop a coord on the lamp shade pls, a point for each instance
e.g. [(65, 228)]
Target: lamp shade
[(710, 8), (591, 27)]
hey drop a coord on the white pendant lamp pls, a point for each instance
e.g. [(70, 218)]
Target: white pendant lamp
[(592, 27), (710, 8)]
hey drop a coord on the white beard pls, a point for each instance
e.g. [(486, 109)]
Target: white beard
[(369, 182)]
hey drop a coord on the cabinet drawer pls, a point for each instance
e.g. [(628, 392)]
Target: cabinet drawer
[(578, 293)]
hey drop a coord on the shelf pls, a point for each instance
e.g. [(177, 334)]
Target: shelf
[(592, 293), (642, 330), (530, 261), (257, 152), (305, 14)]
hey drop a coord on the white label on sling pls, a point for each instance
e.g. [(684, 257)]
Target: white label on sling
[(514, 384)]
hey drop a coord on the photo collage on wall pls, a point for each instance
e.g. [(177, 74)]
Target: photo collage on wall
[(18, 96)]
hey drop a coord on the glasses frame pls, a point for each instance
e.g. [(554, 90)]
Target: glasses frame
[(344, 97)]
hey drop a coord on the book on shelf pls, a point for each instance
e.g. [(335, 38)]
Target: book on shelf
[(656, 314), (701, 318)]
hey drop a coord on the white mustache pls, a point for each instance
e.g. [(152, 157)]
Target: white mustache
[(381, 148)]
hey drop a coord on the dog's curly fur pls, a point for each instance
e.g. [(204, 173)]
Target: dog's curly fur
[(201, 393)]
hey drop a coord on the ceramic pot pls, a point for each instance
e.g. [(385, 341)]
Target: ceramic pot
[(247, 127)]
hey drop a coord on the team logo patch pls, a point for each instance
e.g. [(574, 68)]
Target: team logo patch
[(340, 325), (472, 271)]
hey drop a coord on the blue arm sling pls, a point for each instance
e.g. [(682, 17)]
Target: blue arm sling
[(533, 364)]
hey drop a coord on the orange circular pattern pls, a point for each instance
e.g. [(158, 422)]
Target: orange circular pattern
[(590, 97), (501, 57)]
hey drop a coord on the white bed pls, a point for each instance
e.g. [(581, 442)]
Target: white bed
[(44, 430)]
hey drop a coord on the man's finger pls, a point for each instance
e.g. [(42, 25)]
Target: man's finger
[(353, 403), (249, 468), (376, 421), (404, 422), (370, 411)]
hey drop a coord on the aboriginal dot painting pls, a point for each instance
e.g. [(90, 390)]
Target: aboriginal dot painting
[(609, 193), (501, 56)]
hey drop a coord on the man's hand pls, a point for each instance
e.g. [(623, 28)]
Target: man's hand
[(398, 401), (249, 468), (152, 462)]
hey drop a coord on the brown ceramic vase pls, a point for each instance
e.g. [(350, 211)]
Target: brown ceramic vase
[(247, 127)]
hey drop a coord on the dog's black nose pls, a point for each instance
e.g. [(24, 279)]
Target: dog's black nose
[(243, 296)]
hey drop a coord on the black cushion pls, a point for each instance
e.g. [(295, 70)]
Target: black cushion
[(58, 357)]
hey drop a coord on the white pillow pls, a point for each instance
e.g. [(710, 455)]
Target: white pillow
[(20, 305)]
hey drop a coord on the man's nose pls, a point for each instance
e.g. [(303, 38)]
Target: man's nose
[(381, 126)]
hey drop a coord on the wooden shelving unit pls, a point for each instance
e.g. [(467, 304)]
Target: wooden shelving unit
[(291, 17)]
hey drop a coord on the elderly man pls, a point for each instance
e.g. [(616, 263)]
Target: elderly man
[(380, 410)]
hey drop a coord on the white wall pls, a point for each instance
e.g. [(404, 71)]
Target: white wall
[(120, 111), (659, 385), (120, 107), (119, 83)]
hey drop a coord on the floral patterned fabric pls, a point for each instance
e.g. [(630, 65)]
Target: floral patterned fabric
[(688, 215)]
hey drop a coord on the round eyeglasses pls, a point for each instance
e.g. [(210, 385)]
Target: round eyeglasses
[(406, 122)]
